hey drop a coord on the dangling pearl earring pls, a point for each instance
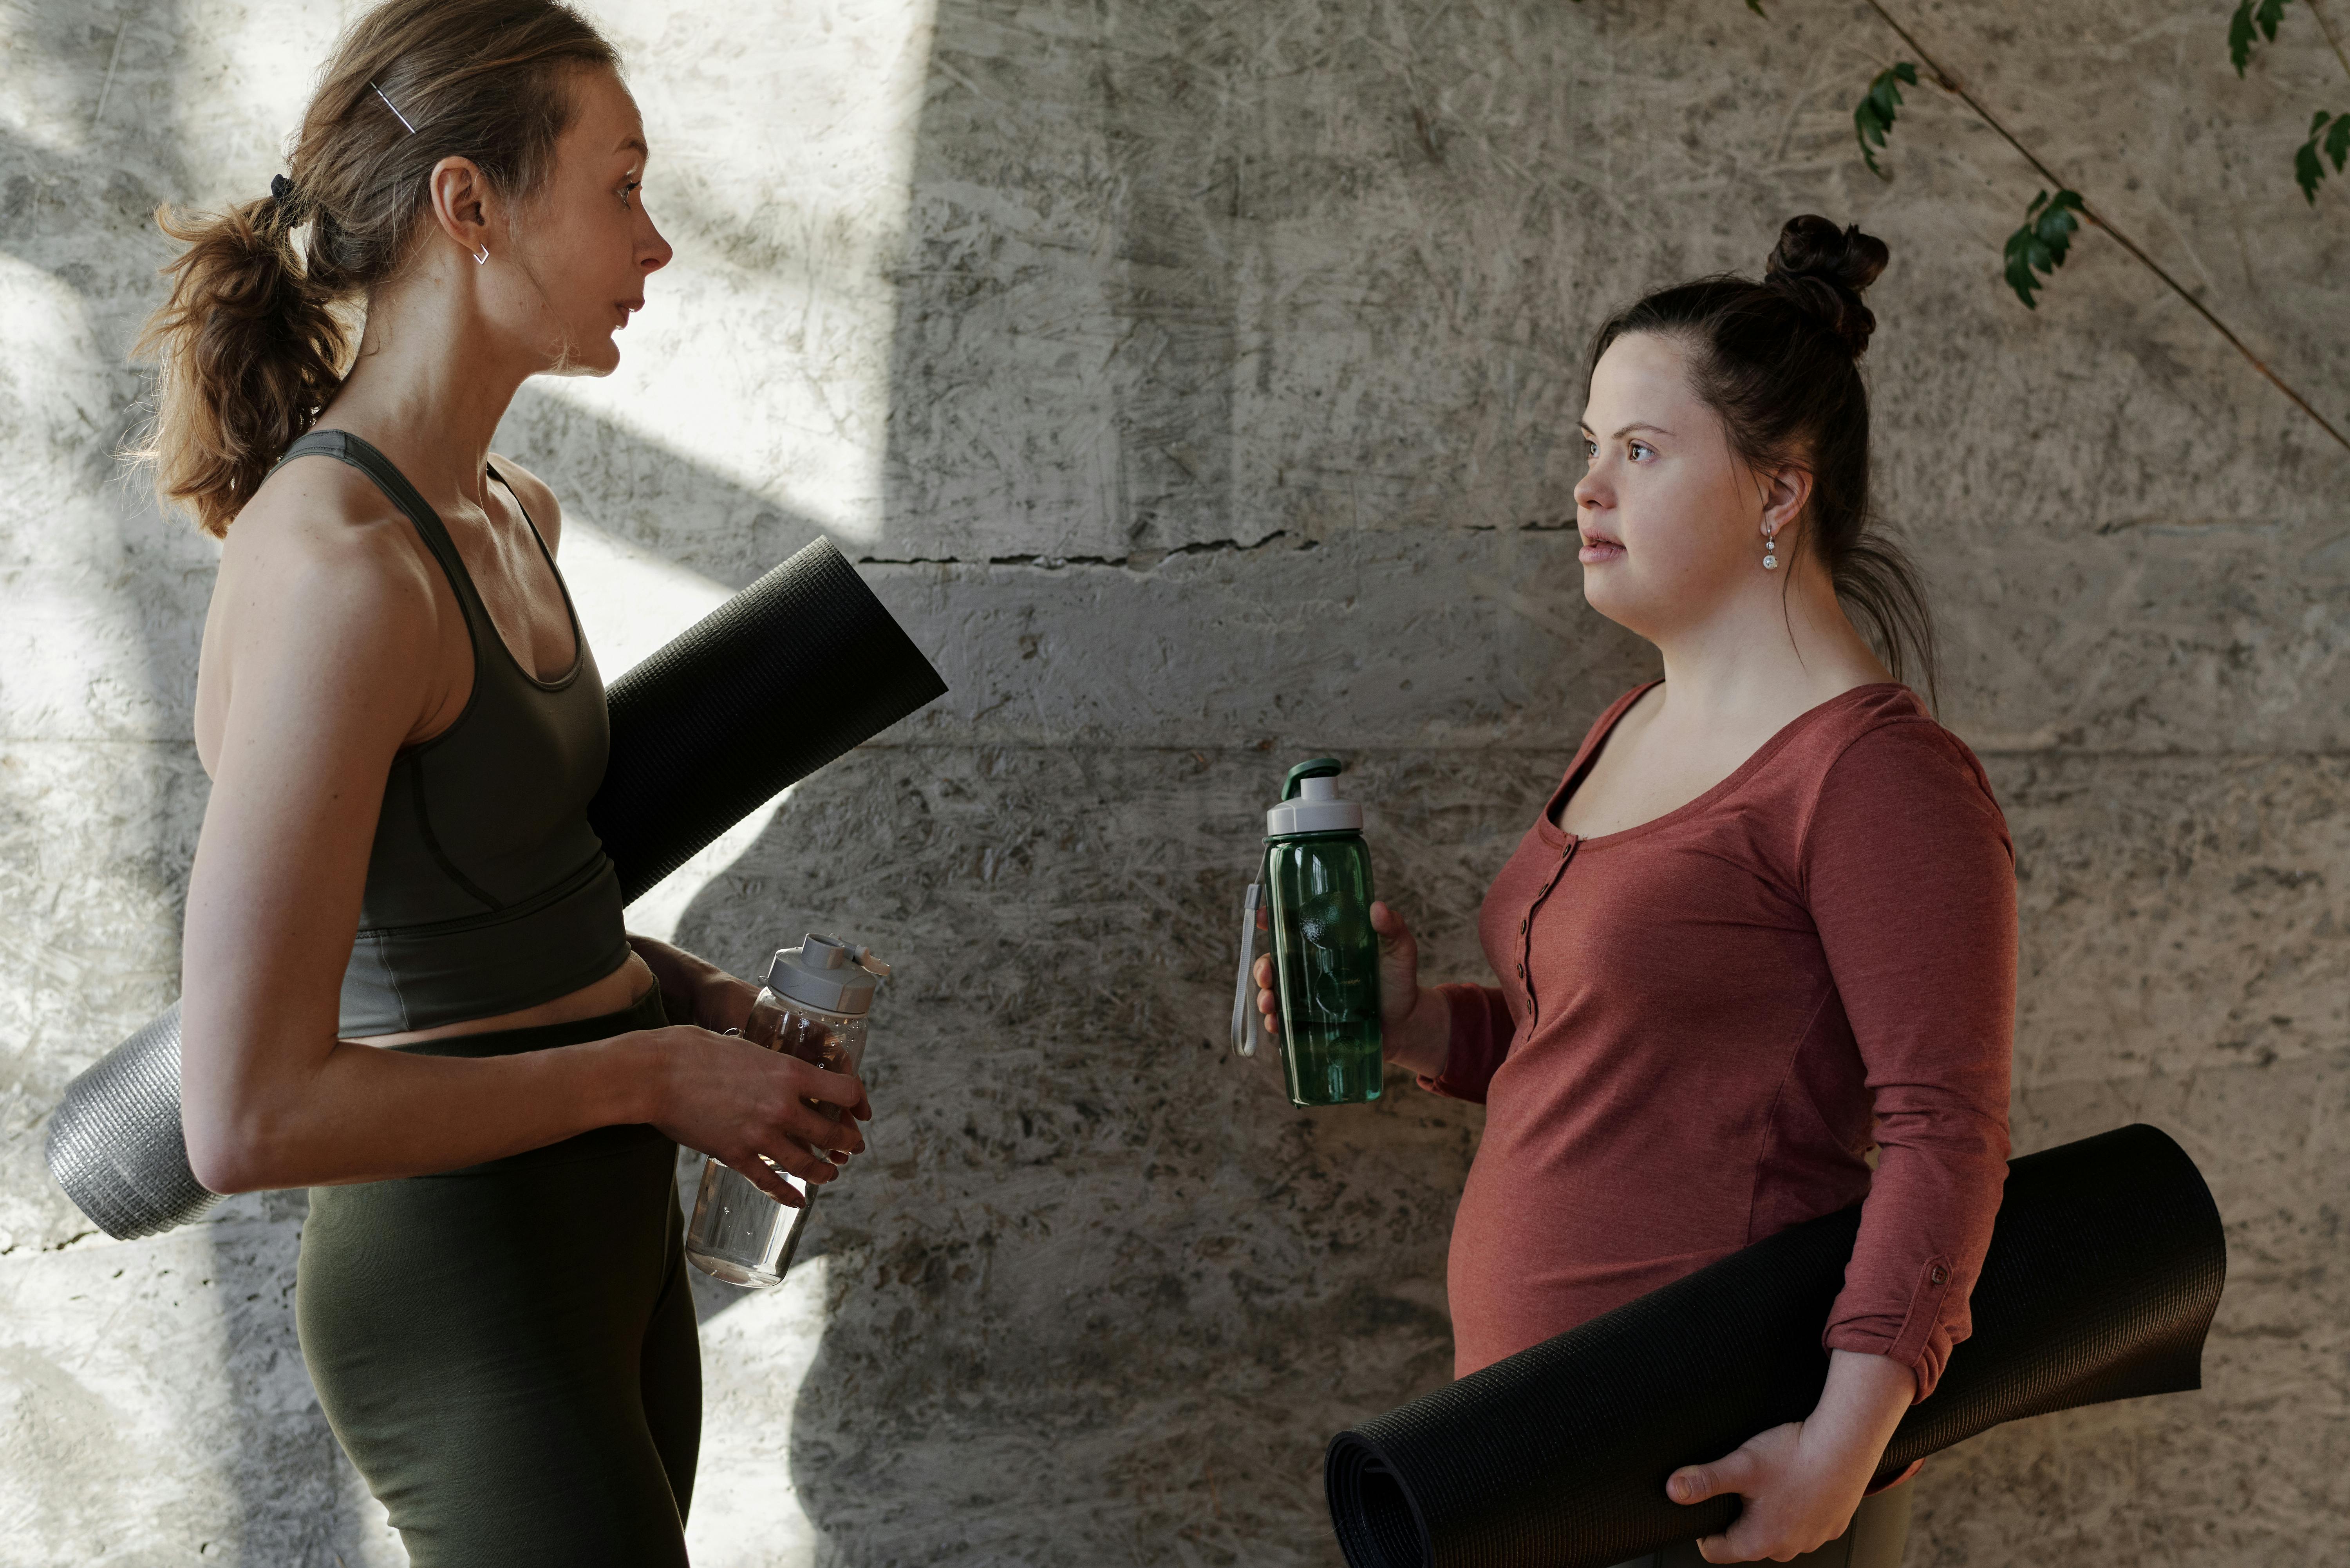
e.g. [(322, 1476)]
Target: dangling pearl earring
[(1769, 553)]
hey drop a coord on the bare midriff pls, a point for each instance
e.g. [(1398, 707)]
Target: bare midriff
[(622, 988)]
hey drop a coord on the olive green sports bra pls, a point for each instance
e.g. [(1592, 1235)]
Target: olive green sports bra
[(486, 890)]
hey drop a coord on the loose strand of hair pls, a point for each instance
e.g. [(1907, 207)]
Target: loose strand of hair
[(1876, 578)]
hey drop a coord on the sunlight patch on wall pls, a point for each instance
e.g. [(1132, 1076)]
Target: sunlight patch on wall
[(241, 79), (783, 157), (73, 664), (755, 1354)]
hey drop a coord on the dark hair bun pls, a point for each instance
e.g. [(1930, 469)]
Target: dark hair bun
[(1822, 269)]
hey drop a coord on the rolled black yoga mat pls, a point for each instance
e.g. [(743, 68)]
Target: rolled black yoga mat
[(2105, 1270), (786, 676)]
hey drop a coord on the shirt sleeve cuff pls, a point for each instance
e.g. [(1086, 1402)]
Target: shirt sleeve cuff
[(1923, 1341)]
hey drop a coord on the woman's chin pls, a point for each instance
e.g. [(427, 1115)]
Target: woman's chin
[(1605, 589), (597, 357)]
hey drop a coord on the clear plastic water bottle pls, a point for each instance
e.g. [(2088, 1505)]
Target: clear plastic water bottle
[(813, 1007), (1316, 887)]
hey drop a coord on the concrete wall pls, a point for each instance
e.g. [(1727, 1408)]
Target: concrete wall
[(1200, 382)]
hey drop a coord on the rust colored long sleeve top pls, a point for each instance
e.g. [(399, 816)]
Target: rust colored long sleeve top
[(1707, 1023)]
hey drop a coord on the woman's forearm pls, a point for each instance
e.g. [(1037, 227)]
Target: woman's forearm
[(363, 1112), (1862, 1401), (360, 1113)]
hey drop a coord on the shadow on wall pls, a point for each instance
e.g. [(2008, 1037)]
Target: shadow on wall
[(1009, 1353), (1096, 1293), (1068, 353)]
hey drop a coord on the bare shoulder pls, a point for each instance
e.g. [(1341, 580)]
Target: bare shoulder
[(320, 567), (546, 512)]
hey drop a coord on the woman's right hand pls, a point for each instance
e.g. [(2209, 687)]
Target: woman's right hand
[(736, 1102), (1415, 1024)]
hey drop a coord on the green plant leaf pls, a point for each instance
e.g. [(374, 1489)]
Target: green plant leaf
[(1873, 115), (2039, 247), (2308, 167), (2263, 14)]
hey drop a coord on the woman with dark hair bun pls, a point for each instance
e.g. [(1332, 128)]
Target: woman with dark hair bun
[(1757, 954), (406, 982)]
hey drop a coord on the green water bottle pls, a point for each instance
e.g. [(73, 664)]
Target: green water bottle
[(1325, 957)]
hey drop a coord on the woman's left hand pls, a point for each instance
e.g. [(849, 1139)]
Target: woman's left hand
[(710, 998), (1802, 1481)]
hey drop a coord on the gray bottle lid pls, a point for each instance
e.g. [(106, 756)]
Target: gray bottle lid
[(1310, 803), (827, 973)]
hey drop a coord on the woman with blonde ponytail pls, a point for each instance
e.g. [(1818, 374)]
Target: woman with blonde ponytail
[(406, 985)]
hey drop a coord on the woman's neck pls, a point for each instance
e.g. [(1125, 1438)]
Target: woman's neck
[(1777, 651), (428, 387)]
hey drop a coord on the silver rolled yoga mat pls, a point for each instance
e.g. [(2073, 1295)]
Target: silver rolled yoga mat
[(786, 676), (114, 1142)]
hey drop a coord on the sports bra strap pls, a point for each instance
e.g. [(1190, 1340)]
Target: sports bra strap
[(348, 448)]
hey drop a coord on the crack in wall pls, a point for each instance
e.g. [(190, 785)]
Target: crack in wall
[(1137, 561)]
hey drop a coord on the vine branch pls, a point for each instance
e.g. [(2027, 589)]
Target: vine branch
[(1948, 82), (2328, 28)]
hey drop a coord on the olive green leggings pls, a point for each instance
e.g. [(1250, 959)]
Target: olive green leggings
[(507, 1352)]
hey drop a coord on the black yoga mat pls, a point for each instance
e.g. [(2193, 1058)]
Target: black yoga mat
[(795, 670), (793, 673), (2105, 1270)]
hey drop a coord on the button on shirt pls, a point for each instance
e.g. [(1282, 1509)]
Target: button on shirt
[(1712, 1020)]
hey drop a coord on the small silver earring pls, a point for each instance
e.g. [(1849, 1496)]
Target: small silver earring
[(482, 256), (1769, 553)]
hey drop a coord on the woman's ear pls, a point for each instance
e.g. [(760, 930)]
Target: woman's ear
[(1787, 491), (461, 198)]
